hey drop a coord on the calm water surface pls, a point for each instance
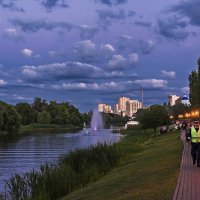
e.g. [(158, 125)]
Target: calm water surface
[(19, 155)]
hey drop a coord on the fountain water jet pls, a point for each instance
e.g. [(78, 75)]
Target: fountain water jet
[(96, 122)]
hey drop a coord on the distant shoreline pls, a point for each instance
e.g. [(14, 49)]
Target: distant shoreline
[(42, 128)]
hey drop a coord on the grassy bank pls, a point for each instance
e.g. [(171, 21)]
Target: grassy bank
[(48, 128), (149, 174), (42, 128), (142, 166)]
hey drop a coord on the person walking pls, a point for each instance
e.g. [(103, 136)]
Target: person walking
[(194, 137)]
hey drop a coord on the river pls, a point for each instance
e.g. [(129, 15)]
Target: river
[(23, 153)]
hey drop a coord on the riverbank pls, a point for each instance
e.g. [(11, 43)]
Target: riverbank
[(149, 172), (42, 128), (49, 128)]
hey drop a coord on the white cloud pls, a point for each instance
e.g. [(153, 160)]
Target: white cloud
[(12, 32), (151, 83), (22, 98), (86, 50), (168, 74), (133, 58), (27, 52), (117, 62), (108, 47), (2, 82), (67, 70), (89, 86), (30, 71)]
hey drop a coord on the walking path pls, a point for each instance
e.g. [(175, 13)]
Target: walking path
[(188, 186)]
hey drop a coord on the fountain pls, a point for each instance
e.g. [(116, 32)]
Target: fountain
[(96, 122)]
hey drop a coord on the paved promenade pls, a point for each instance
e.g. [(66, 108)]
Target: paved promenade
[(188, 185)]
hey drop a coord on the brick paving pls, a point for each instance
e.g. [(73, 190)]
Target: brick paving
[(188, 185)]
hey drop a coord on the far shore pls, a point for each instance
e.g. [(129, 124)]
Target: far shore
[(43, 128)]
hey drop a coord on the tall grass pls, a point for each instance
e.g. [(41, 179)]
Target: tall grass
[(76, 169), (73, 171)]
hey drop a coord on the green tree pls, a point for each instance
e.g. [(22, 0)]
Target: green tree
[(194, 86), (44, 117), (10, 118), (27, 113), (37, 104), (154, 117)]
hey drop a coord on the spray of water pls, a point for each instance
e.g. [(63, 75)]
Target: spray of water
[(96, 122)]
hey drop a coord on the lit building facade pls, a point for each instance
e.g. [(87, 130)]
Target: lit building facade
[(122, 101), (124, 107), (172, 99), (132, 106), (104, 108)]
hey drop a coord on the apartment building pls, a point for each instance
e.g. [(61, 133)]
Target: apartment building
[(104, 108)]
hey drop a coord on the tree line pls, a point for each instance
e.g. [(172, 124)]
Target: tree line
[(194, 86), (42, 112), (12, 116)]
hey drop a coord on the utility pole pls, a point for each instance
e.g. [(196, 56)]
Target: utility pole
[(142, 96)]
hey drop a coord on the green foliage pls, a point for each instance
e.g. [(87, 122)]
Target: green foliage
[(44, 117), (153, 117), (9, 117), (27, 113), (113, 119), (194, 85)]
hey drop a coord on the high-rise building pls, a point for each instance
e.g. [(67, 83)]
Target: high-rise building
[(132, 106), (124, 107), (172, 99), (104, 108), (122, 103), (116, 109)]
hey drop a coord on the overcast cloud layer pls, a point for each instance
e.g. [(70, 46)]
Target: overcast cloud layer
[(98, 51)]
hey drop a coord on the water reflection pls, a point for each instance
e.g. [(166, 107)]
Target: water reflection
[(21, 153)]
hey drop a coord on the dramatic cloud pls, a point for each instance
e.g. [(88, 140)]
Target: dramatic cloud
[(173, 28), (168, 74), (103, 87), (10, 5), (189, 9), (28, 25), (112, 2), (152, 83), (61, 71), (49, 4), (27, 52)]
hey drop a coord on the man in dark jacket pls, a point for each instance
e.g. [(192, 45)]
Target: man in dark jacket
[(194, 137)]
